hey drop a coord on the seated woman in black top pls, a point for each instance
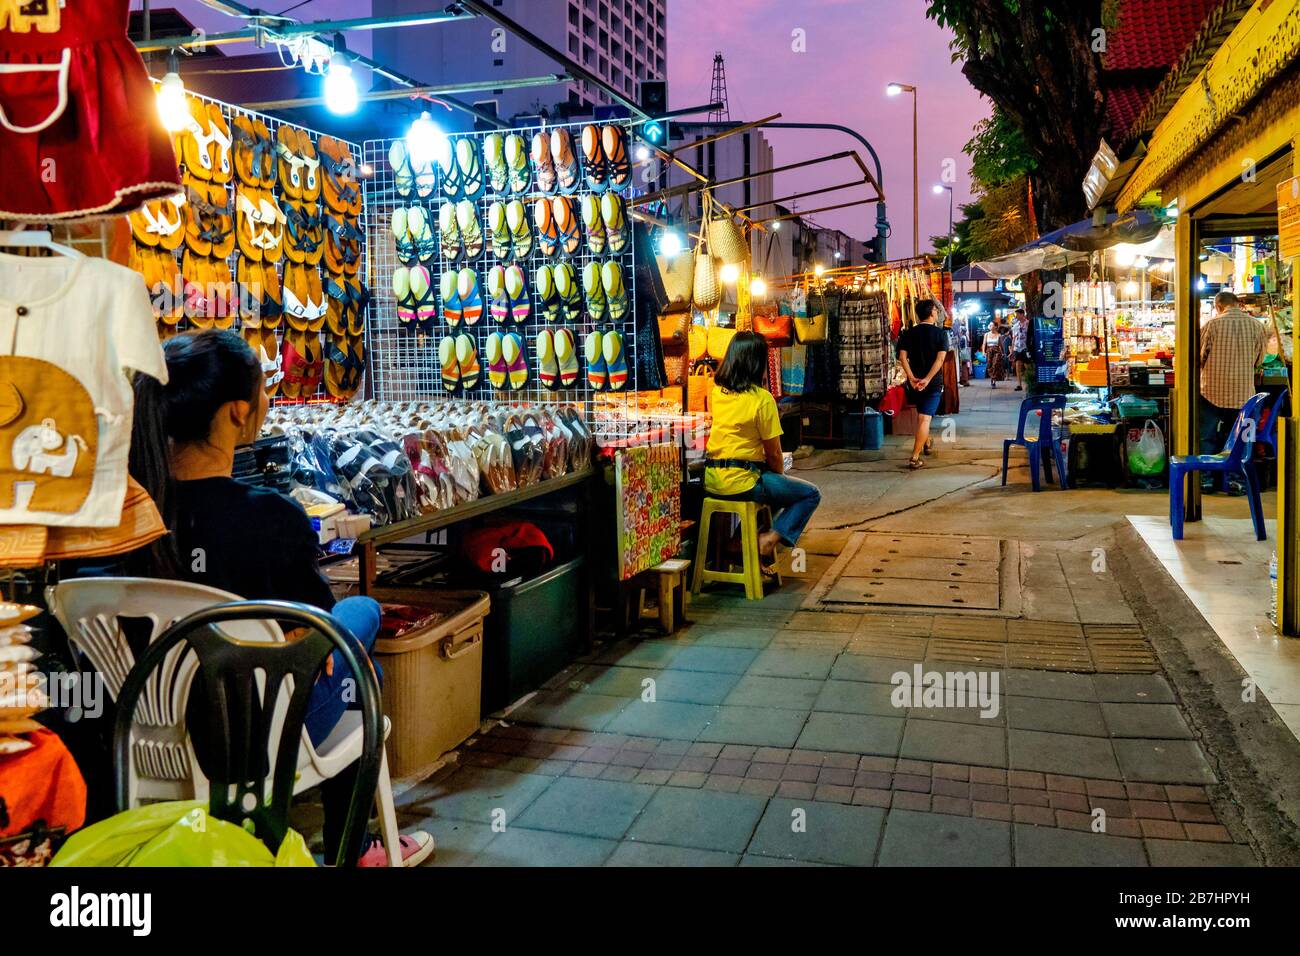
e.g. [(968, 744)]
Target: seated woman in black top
[(922, 349), (252, 542)]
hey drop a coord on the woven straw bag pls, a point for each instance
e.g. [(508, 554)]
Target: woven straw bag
[(678, 274), (726, 241), (707, 291)]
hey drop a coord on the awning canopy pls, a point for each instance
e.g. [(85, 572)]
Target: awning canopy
[(1073, 243)]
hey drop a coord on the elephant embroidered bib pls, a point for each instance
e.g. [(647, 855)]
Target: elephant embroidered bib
[(72, 331)]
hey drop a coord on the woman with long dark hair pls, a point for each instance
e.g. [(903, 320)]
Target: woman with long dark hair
[(253, 542), (744, 459)]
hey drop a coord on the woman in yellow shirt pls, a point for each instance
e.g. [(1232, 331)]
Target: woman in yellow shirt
[(744, 460)]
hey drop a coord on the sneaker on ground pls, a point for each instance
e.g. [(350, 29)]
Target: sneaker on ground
[(416, 848)]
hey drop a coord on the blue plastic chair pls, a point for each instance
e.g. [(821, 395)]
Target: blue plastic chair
[(1234, 459), (1048, 405), (1268, 433)]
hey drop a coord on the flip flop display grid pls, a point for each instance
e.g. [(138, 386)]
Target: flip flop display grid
[(406, 364), (273, 125)]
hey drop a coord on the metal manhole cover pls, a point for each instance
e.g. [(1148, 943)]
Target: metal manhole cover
[(912, 592)]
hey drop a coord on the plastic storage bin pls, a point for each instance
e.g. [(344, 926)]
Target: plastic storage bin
[(534, 630), (432, 677)]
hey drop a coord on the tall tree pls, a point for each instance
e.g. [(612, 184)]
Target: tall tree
[(1035, 60)]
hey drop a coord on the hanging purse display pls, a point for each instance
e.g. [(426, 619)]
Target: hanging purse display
[(674, 326), (678, 275), (699, 342), (718, 341), (700, 387), (726, 241), (811, 328), (777, 329), (707, 292)]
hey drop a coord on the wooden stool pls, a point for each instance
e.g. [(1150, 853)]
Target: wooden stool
[(751, 573), (669, 580)]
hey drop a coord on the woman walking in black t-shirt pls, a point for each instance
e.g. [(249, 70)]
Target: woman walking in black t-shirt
[(923, 349)]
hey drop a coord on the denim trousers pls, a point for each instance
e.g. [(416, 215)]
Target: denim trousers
[(332, 694), (792, 501)]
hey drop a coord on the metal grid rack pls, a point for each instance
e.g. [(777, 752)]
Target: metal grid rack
[(273, 125), (404, 360)]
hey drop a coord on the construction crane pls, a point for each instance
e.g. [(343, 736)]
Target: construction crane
[(718, 93)]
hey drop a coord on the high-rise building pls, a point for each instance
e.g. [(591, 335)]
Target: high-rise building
[(621, 41)]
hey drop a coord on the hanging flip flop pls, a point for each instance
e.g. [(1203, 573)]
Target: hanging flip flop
[(499, 231), (568, 171), (611, 274), (421, 231), (494, 157), (548, 237), (543, 165), (357, 366), (470, 166), (336, 366), (547, 297), (272, 297), (597, 370), (401, 292), (613, 210), (249, 277), (445, 162), (470, 230), (264, 156), (403, 174), (224, 300), (521, 233), (614, 141), (196, 239), (196, 140), (497, 298), (615, 361), (566, 357), (453, 248), (248, 223), (548, 368), (497, 374), (517, 292), (267, 350), (471, 297), (315, 370), (593, 159), (337, 316), (293, 364), (399, 224), (520, 176), (358, 301), (467, 358), (194, 269), (221, 223), (172, 288), (516, 359), (424, 173), (317, 302), (290, 163), (426, 305), (248, 165), (448, 363), (340, 187), (297, 230), (272, 221), (566, 285), (566, 224), (593, 286), (592, 219), (311, 179), (223, 168), (452, 308)]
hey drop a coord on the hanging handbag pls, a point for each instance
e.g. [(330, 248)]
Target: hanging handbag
[(707, 291), (777, 329), (674, 326), (675, 367), (726, 241), (699, 388), (794, 362), (719, 339), (678, 275), (699, 342), (811, 328)]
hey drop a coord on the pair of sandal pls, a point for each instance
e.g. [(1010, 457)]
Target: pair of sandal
[(261, 299), (506, 156), (508, 298), (408, 182), (259, 224), (302, 363), (606, 292), (263, 342), (209, 225), (606, 220), (507, 361), (461, 167), (348, 299), (557, 226), (413, 290), (458, 359), (305, 302), (557, 359), (555, 161), (205, 143), (927, 449), (163, 281), (462, 299), (460, 232), (299, 165), (345, 363), (304, 230), (342, 244), (160, 223), (606, 361), (341, 187), (413, 236), (255, 162), (511, 235), (558, 293), (209, 291), (604, 156)]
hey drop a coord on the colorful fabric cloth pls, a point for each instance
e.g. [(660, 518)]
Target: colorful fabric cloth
[(42, 783), (1232, 346)]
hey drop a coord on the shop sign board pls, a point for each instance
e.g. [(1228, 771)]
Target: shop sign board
[(1288, 218)]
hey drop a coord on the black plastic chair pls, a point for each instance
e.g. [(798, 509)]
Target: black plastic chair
[(241, 714)]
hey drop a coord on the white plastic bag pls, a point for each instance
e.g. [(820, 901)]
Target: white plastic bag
[(1146, 449)]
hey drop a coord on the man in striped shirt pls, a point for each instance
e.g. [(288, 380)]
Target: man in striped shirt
[(1232, 347)]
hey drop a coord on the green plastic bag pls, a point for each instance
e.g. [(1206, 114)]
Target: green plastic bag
[(177, 833), (1146, 450)]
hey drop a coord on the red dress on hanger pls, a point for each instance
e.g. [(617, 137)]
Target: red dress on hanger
[(79, 129)]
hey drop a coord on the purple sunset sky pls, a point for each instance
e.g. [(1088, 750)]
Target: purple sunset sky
[(854, 49)]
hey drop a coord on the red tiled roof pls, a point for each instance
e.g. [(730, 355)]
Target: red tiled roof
[(1125, 101), (1152, 34)]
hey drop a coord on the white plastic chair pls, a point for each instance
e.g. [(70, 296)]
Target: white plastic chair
[(164, 764)]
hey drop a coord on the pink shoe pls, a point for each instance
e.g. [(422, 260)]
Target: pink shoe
[(416, 848)]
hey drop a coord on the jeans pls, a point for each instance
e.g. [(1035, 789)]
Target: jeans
[(792, 501), (332, 693), (1215, 423)]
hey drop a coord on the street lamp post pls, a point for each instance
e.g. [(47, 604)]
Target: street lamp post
[(938, 191), (894, 89)]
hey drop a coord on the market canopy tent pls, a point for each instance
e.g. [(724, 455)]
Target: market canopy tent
[(1073, 243)]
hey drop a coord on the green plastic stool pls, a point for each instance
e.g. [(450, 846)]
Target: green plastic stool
[(751, 573)]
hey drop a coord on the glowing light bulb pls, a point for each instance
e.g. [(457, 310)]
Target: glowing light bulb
[(340, 86), (729, 273), (425, 141), (642, 154), (670, 244), (893, 89), (776, 227), (172, 108), (819, 269), (757, 287)]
